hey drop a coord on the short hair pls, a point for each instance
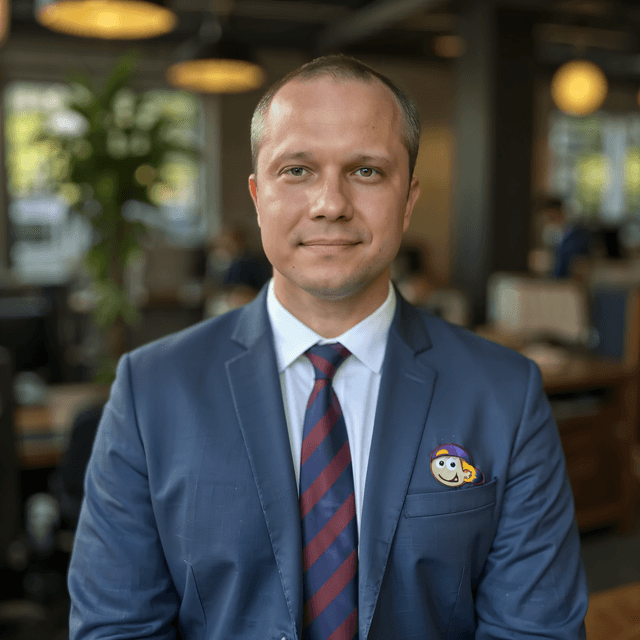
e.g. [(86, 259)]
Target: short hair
[(341, 67)]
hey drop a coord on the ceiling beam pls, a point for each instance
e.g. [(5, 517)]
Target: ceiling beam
[(622, 66), (374, 17)]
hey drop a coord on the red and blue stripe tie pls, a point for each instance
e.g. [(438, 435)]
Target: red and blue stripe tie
[(328, 508)]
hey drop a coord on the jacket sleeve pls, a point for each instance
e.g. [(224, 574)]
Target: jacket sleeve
[(118, 579), (533, 584)]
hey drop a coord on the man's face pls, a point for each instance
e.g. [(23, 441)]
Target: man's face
[(331, 188)]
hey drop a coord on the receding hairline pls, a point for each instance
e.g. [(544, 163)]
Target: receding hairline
[(265, 116), (341, 70)]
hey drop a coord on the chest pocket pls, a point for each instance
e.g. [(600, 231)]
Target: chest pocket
[(417, 505), (448, 530)]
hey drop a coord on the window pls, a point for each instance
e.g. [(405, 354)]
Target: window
[(48, 234), (595, 163)]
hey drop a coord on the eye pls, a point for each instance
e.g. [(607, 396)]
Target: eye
[(440, 463), (366, 172), (298, 172), (452, 463)]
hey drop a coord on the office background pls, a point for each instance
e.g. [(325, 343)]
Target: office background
[(514, 159)]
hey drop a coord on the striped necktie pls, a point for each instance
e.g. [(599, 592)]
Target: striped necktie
[(327, 507)]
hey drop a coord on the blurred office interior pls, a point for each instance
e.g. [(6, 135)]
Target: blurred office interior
[(125, 216)]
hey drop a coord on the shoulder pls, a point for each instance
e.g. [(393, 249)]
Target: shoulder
[(191, 349), (460, 353)]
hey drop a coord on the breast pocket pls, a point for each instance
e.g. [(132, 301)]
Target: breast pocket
[(418, 505), (457, 525)]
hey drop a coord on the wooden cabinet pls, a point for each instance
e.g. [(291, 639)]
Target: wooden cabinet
[(595, 403), (595, 406)]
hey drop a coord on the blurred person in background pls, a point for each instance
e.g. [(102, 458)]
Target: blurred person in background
[(410, 273), (568, 238), (238, 272)]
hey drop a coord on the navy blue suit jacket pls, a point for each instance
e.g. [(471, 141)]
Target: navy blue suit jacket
[(191, 507)]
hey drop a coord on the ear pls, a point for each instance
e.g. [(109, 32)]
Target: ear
[(253, 190), (414, 193)]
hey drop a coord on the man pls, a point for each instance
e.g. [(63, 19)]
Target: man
[(573, 239), (328, 461)]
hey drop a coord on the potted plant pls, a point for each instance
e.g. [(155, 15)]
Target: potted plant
[(115, 157)]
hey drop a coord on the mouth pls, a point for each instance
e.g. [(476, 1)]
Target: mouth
[(328, 247), (454, 479), (329, 243)]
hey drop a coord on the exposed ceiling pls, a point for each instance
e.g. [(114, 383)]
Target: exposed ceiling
[(609, 30)]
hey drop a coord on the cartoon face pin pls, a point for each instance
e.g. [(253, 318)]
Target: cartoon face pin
[(451, 466)]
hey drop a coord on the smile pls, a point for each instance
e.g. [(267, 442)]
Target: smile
[(329, 243), (454, 479), (329, 247)]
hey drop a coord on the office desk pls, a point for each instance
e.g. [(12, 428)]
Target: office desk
[(42, 432), (595, 404)]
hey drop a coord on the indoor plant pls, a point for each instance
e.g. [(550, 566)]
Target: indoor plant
[(115, 157)]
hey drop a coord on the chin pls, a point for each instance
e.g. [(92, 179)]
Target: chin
[(337, 287), (330, 282)]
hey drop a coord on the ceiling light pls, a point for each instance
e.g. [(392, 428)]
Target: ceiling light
[(108, 19), (213, 63), (5, 18), (579, 87)]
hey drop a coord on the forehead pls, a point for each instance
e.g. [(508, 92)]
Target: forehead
[(326, 101)]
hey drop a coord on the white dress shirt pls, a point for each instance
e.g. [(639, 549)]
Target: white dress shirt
[(356, 382)]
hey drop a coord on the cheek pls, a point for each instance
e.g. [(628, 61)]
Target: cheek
[(280, 212), (389, 227)]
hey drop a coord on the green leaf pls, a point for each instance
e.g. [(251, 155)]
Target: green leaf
[(106, 371), (97, 261), (119, 77), (106, 185)]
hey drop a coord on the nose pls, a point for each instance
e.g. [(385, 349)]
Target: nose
[(331, 199)]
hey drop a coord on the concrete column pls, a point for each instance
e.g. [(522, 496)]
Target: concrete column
[(494, 142)]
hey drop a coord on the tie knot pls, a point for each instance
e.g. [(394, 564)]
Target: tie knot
[(327, 358)]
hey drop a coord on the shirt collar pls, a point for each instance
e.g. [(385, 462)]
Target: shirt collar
[(367, 341)]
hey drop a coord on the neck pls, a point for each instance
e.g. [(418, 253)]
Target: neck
[(330, 318)]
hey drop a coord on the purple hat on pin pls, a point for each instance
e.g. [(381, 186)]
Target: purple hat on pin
[(450, 450)]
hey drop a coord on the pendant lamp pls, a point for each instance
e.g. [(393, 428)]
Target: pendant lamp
[(107, 19), (5, 19), (579, 87), (213, 62)]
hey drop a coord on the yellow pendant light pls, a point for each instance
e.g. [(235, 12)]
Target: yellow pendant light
[(107, 19), (5, 19), (213, 63), (579, 87)]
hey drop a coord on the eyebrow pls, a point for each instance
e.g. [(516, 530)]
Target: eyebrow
[(294, 155), (365, 159), (357, 159)]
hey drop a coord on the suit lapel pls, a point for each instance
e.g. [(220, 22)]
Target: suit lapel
[(404, 398), (257, 396)]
